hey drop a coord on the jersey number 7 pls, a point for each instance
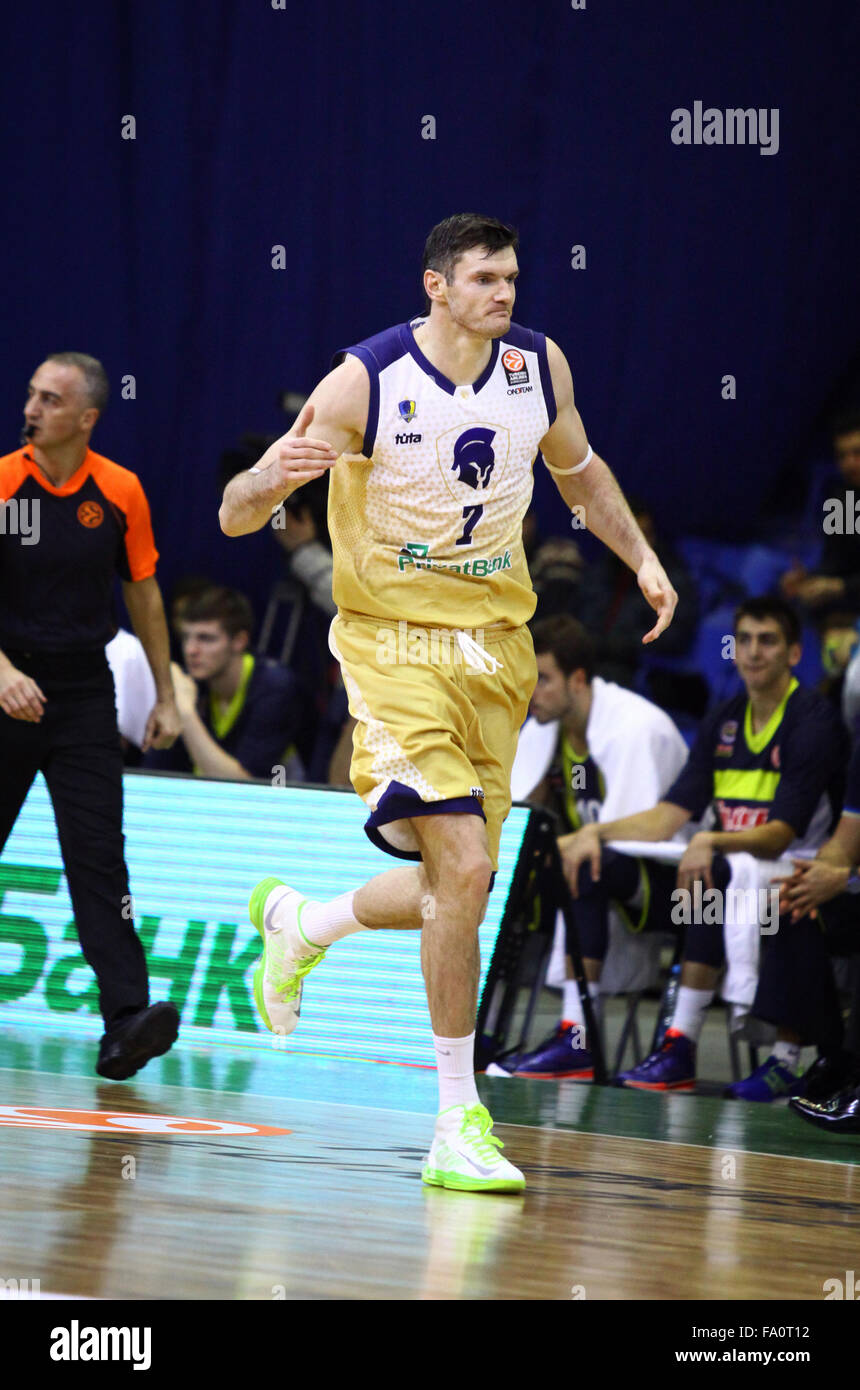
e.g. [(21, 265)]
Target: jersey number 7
[(471, 515)]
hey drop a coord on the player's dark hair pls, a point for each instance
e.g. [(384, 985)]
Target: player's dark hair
[(225, 606), (449, 240), (771, 606), (94, 374), (847, 422), (564, 638)]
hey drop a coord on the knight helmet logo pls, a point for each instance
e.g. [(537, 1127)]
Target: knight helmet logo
[(407, 410), (474, 459)]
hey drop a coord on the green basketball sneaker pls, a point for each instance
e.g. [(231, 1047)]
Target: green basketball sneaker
[(276, 912), (465, 1154)]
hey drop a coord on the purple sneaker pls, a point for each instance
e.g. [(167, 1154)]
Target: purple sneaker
[(768, 1082), (673, 1068), (560, 1057)]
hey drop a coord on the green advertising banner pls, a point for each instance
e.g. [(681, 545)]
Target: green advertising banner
[(195, 849)]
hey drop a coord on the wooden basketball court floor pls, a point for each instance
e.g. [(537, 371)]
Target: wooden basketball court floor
[(629, 1195)]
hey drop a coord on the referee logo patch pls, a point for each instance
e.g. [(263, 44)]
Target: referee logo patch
[(90, 514)]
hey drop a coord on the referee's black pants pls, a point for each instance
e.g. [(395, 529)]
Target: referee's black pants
[(76, 747)]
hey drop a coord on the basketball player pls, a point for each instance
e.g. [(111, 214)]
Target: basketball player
[(431, 429)]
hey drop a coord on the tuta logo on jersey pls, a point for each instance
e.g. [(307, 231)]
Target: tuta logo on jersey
[(474, 459), (515, 367), (407, 439), (407, 411)]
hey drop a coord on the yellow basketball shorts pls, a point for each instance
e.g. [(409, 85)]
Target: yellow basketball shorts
[(434, 735)]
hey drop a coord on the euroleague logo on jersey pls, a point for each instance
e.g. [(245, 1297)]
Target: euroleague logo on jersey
[(90, 514), (516, 371)]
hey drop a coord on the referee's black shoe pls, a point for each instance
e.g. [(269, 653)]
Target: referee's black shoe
[(839, 1115), (132, 1042)]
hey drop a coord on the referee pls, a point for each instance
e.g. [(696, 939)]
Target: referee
[(72, 521)]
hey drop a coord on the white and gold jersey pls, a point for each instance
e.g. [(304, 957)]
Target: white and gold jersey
[(426, 523)]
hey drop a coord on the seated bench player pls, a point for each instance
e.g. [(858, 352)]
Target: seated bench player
[(770, 762), (238, 712), (828, 888), (590, 751)]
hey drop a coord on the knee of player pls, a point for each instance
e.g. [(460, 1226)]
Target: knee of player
[(465, 878)]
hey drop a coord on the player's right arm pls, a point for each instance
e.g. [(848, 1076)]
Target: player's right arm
[(566, 452), (337, 412), (659, 822)]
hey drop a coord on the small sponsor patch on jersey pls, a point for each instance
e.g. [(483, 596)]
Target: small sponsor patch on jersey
[(515, 367), (478, 791), (774, 755), (729, 731)]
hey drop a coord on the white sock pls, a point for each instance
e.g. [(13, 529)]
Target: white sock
[(323, 923), (788, 1053), (455, 1061), (571, 1007), (690, 1011)]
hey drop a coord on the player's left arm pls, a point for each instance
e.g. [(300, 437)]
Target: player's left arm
[(146, 610), (592, 486)]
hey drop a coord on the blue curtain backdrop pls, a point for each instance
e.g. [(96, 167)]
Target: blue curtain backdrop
[(302, 127)]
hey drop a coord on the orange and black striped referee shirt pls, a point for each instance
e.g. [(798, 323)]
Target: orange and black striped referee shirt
[(56, 583)]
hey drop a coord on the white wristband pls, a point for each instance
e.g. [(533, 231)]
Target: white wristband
[(577, 469)]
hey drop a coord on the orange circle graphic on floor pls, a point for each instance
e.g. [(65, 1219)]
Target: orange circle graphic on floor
[(125, 1122)]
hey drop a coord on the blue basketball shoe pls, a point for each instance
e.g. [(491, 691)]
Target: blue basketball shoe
[(768, 1082), (672, 1068), (561, 1057)]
